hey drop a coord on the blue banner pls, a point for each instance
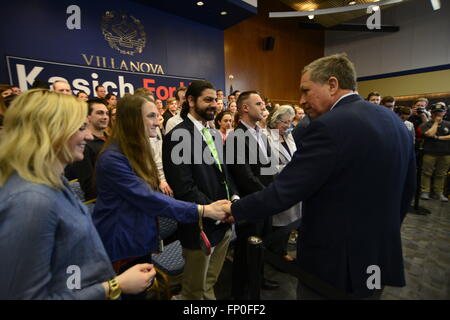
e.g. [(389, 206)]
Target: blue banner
[(116, 79)]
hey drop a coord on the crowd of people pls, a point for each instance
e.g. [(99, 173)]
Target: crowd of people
[(121, 150), (429, 125)]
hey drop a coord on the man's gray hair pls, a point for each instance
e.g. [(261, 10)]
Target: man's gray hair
[(338, 66), (278, 114), (58, 81)]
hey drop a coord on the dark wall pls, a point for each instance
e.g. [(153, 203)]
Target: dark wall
[(37, 29), (276, 73)]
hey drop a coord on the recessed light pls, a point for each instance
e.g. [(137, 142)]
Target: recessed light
[(351, 3), (200, 3), (375, 8), (224, 13), (311, 16)]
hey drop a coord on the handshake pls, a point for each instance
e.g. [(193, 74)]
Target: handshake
[(219, 210)]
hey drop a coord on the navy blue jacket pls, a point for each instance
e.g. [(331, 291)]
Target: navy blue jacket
[(355, 173), (126, 208)]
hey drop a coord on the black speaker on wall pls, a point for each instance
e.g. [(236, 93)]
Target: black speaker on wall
[(268, 43)]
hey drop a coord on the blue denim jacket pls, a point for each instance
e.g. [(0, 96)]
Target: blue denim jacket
[(126, 208), (47, 239)]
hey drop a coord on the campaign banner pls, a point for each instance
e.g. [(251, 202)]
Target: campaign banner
[(24, 71)]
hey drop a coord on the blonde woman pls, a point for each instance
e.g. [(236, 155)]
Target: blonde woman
[(283, 147), (49, 246)]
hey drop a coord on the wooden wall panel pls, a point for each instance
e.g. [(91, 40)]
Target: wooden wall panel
[(276, 74)]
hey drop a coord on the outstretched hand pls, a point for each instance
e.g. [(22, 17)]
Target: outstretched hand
[(216, 210), (229, 218)]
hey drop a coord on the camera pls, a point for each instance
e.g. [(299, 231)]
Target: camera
[(420, 110)]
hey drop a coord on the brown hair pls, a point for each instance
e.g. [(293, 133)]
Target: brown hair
[(130, 135), (243, 97)]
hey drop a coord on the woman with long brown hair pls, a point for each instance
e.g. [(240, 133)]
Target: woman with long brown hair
[(127, 182)]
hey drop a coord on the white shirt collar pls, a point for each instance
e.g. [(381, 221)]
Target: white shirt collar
[(198, 124), (345, 95), (252, 130)]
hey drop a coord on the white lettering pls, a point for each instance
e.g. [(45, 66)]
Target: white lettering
[(200, 310), (81, 84), (25, 79), (56, 78), (123, 85), (110, 84)]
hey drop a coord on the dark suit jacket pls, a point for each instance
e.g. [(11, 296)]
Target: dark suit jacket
[(201, 183), (84, 170), (248, 176), (166, 116), (355, 173)]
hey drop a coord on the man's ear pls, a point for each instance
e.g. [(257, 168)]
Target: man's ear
[(191, 101), (333, 83)]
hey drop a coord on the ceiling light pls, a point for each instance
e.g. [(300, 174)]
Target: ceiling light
[(436, 4), (224, 13), (351, 3), (200, 3), (311, 16)]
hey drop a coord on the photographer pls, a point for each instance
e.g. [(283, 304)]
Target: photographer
[(419, 117), (436, 149)]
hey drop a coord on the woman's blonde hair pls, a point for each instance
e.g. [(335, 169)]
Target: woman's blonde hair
[(37, 128), (277, 114)]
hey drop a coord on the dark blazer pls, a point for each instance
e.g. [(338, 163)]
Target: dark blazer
[(84, 170), (166, 116), (355, 171), (248, 176), (195, 180), (300, 128)]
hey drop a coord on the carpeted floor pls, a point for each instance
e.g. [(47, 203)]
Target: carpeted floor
[(426, 251)]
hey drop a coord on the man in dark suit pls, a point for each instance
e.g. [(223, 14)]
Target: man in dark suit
[(196, 174), (249, 176), (355, 173), (98, 119)]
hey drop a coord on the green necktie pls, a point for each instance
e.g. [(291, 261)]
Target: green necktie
[(212, 147)]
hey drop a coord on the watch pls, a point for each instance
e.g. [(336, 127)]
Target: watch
[(114, 289)]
